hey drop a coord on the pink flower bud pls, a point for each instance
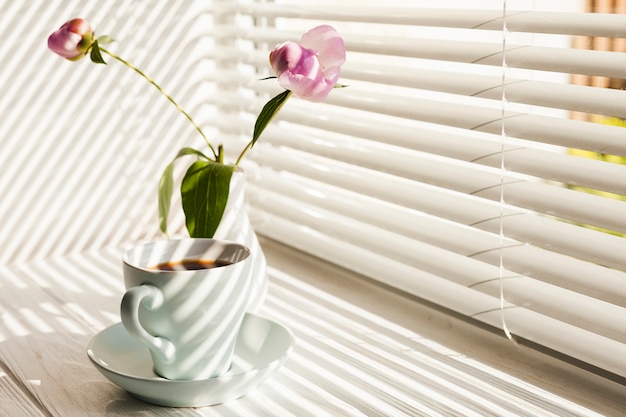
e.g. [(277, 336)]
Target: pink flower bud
[(311, 68), (73, 40)]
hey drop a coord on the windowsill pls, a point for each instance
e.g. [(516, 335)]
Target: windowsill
[(361, 349), (522, 376)]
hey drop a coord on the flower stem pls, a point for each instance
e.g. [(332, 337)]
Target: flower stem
[(158, 87), (243, 152)]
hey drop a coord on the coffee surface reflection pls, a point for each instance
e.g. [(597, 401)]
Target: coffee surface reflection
[(190, 265)]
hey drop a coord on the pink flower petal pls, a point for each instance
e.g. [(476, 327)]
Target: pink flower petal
[(64, 44), (328, 43), (306, 88)]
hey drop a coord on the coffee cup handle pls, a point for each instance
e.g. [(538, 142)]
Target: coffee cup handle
[(152, 298)]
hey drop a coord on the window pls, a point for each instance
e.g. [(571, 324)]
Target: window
[(451, 167)]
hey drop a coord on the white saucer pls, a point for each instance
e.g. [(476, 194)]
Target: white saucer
[(262, 347)]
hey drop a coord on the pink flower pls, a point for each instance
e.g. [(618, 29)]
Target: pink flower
[(73, 40), (311, 68)]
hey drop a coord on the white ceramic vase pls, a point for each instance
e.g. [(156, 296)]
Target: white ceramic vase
[(236, 226)]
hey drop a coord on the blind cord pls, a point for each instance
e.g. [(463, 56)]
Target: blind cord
[(503, 102)]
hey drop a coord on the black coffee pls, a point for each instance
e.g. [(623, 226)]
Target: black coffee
[(190, 265)]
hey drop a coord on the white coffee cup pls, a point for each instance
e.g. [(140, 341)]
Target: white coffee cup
[(189, 319)]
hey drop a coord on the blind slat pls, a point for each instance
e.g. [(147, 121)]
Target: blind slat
[(564, 238), (587, 209), (567, 169), (470, 179), (562, 270), (565, 338), (538, 296), (544, 58), (446, 293), (597, 24), (543, 129), (555, 95), (455, 237), (572, 205), (470, 240)]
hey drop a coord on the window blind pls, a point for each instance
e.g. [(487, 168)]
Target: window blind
[(453, 166)]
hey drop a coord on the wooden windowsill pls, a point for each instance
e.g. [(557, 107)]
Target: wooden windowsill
[(488, 355)]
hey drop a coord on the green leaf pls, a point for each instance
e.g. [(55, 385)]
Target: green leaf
[(95, 54), (204, 193), (105, 39), (268, 112), (166, 186), (340, 86)]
